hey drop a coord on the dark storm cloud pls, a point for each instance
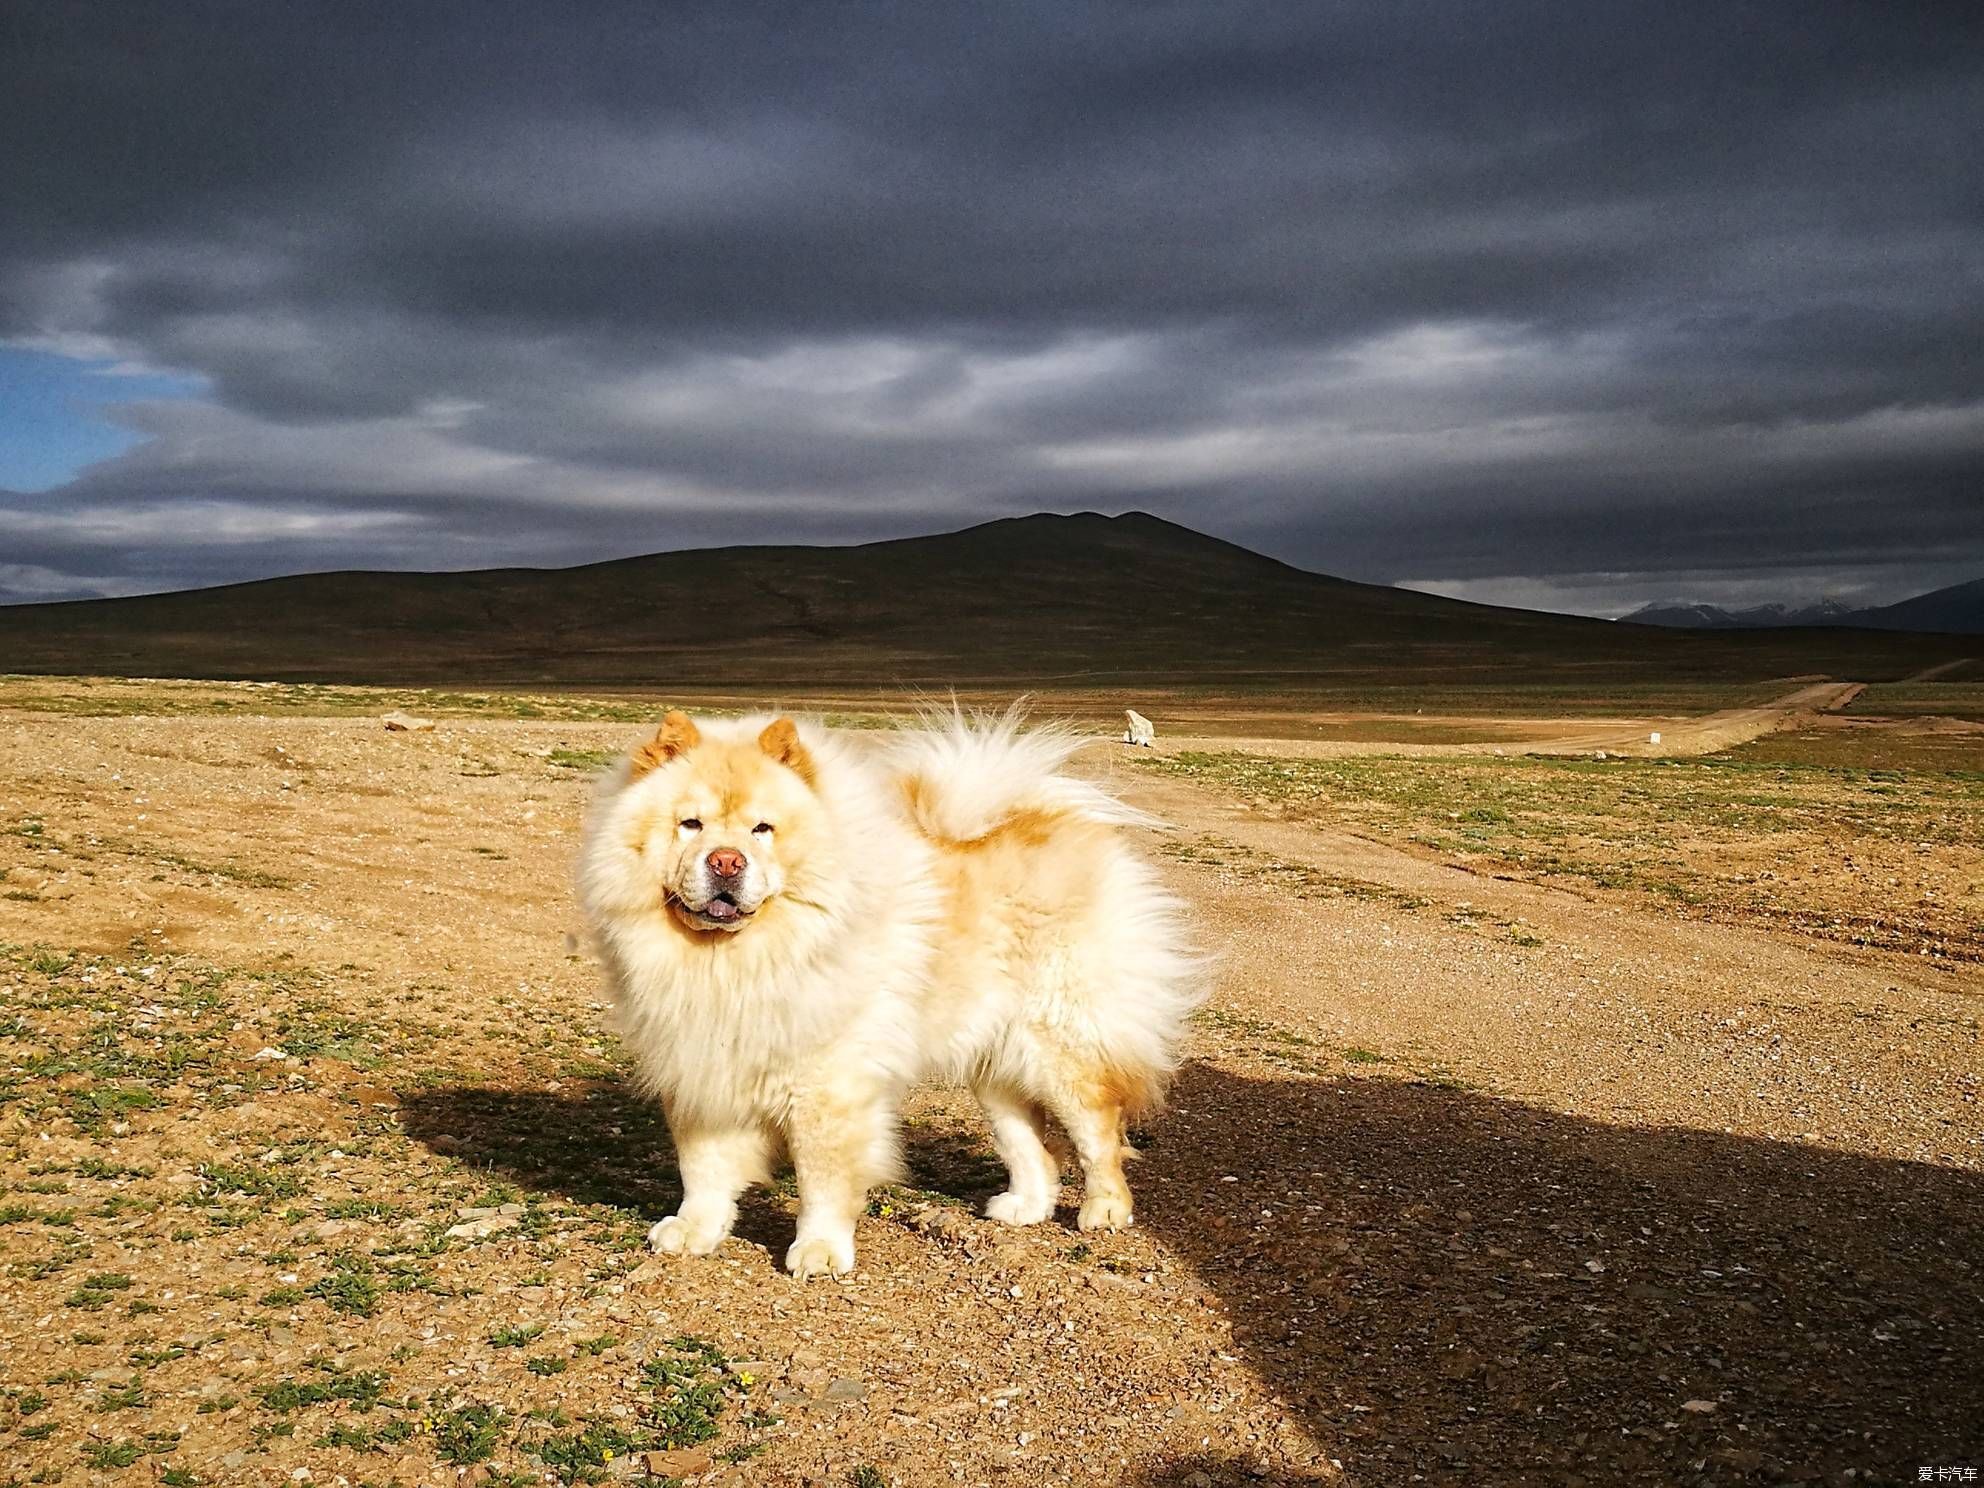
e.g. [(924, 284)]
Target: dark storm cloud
[(1450, 294)]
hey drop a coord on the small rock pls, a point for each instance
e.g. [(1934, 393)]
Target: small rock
[(482, 1229), (683, 1462), (941, 1221)]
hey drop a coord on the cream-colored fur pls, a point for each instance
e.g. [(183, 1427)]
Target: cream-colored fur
[(947, 904)]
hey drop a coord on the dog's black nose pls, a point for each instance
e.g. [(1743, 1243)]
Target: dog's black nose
[(726, 862)]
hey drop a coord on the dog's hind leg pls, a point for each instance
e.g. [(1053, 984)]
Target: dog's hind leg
[(1033, 1176), (1093, 1113), (842, 1143), (716, 1167)]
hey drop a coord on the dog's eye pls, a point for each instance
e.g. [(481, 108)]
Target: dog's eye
[(762, 828), (691, 824)]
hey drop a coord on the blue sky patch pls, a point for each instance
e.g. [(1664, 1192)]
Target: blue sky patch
[(52, 420)]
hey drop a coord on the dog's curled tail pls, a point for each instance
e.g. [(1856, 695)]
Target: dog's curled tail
[(966, 777)]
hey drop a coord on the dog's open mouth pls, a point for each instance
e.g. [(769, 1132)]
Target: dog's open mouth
[(722, 911)]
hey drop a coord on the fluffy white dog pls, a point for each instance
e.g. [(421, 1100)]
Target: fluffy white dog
[(796, 930)]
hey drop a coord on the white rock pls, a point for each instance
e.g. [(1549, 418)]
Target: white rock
[(482, 1229)]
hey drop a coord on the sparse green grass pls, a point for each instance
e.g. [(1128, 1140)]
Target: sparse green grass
[(130, 1396), (1301, 880), (1707, 836), (583, 1455), (1280, 1046), (120, 1453), (96, 1291), (374, 1209), (97, 697), (351, 1287), (356, 1283), (1957, 694), (1871, 747), (687, 1385), (360, 1389), (468, 1434), (168, 858), (262, 1182), (581, 759)]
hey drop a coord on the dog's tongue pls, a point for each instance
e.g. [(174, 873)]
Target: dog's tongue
[(720, 909)]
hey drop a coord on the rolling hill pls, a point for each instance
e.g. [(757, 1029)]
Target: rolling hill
[(1959, 609), (1029, 602)]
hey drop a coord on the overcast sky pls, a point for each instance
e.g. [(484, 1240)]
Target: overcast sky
[(1574, 305)]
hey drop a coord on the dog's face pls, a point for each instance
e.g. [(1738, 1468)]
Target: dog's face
[(725, 823)]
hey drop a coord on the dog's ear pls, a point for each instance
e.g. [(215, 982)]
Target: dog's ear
[(678, 732), (781, 741)]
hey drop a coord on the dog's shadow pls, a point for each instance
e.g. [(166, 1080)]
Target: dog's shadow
[(602, 1142), (1450, 1287), (1446, 1286)]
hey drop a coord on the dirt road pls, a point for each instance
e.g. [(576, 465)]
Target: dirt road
[(1467, 1181), (1942, 669), (1707, 733)]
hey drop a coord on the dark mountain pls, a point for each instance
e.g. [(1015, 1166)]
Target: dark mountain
[(1957, 610), (1755, 617), (1029, 602)]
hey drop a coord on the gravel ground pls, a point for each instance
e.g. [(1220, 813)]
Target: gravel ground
[(317, 1170)]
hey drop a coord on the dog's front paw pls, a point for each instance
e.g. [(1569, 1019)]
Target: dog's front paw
[(1106, 1211), (1018, 1209), (686, 1235), (820, 1255)]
